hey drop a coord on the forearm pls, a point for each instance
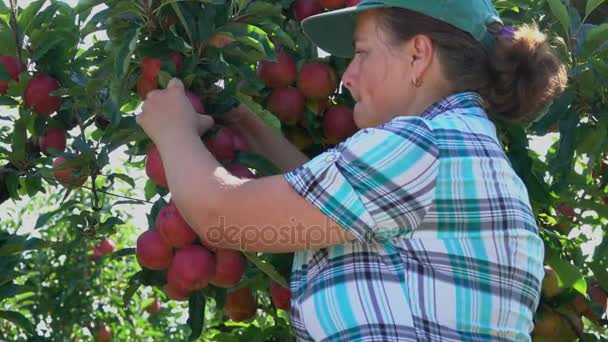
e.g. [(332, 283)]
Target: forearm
[(194, 176), (270, 143)]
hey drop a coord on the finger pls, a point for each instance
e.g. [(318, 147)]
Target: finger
[(139, 118), (205, 122), (153, 93), (175, 83)]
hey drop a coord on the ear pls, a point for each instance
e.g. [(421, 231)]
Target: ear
[(420, 55)]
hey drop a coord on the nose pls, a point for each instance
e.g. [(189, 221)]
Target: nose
[(349, 76)]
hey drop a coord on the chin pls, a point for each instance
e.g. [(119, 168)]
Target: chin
[(360, 118)]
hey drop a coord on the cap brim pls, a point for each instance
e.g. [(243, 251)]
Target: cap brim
[(333, 31)]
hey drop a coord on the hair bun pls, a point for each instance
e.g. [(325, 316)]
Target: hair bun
[(528, 74)]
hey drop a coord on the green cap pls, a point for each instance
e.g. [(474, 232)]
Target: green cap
[(333, 31)]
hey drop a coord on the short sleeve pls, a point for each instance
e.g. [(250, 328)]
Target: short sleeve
[(379, 183)]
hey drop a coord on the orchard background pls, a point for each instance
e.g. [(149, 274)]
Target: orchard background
[(80, 183)]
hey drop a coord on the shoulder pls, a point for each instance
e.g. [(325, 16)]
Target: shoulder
[(401, 131)]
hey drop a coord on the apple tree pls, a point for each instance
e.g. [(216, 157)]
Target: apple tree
[(72, 79)]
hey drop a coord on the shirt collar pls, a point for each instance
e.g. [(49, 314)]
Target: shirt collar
[(462, 100)]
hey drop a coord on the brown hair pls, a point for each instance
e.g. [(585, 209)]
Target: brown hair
[(517, 79)]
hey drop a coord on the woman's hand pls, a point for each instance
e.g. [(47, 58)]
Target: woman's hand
[(168, 112)]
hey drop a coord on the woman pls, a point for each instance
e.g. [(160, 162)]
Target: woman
[(416, 227)]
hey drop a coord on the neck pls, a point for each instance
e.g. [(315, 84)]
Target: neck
[(425, 96)]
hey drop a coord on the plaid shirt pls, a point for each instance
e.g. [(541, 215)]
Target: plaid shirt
[(446, 249)]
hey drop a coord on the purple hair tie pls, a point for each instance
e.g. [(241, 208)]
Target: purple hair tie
[(507, 32)]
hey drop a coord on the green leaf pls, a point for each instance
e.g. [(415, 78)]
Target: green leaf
[(279, 36), (123, 178), (569, 275), (594, 40), (19, 138), (182, 18), (592, 5), (196, 314), (111, 222), (258, 162), (34, 244), (125, 51), (560, 12), (267, 268), (12, 245), (4, 76), (12, 184), (123, 253), (33, 184), (134, 283), (10, 290), (251, 36), (19, 320), (27, 16), (558, 109), (46, 45), (266, 116), (95, 23), (44, 218), (85, 5), (149, 190), (562, 165)]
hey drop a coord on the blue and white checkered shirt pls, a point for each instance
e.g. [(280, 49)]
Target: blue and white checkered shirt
[(446, 249)]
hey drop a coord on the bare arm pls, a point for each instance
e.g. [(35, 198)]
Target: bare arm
[(264, 140)]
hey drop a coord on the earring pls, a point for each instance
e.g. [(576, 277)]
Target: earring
[(416, 82)]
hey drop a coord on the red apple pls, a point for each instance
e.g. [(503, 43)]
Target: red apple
[(150, 67), (238, 142), (65, 175), (317, 80), (281, 296), (332, 4), (278, 74), (103, 334), (37, 98), (241, 304), (53, 138), (229, 268), (602, 170), (240, 171), (220, 40), (299, 137), (167, 21), (565, 210), (174, 291), (154, 167), (196, 101), (287, 104), (173, 228), (106, 246), (178, 60), (192, 267), (350, 3), (303, 9), (144, 86), (13, 67), (338, 123), (96, 254), (154, 307), (221, 145), (599, 296), (152, 251)]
